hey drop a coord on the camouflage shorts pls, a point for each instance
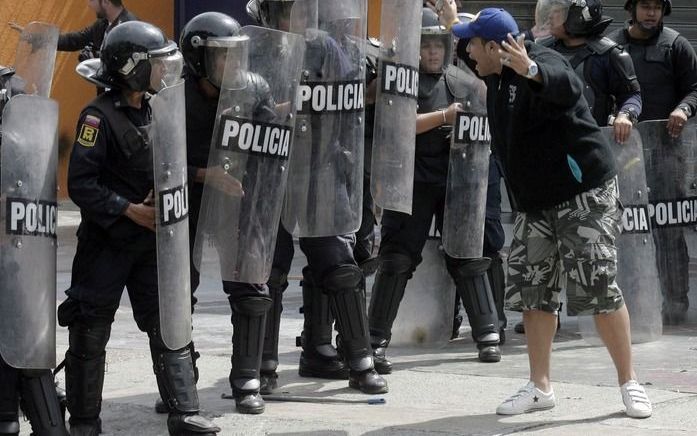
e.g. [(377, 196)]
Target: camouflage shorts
[(569, 246)]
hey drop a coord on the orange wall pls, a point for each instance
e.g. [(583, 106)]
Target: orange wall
[(71, 92), (374, 18)]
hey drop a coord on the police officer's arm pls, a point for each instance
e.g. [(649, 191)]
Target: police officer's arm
[(87, 162), (685, 68), (624, 86), (435, 119), (75, 41)]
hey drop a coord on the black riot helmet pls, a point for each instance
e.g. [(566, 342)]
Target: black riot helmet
[(629, 5), (199, 35), (585, 18), (138, 56), (432, 32), (274, 14)]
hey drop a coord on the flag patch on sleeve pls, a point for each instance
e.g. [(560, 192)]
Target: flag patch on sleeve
[(89, 131)]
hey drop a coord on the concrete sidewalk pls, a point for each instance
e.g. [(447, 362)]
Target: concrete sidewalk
[(439, 390)]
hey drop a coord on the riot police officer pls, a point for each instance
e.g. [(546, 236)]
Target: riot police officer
[(442, 92), (666, 67), (318, 358), (110, 178), (35, 387), (204, 41), (332, 278), (611, 86)]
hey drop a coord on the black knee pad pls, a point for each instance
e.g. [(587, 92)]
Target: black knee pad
[(88, 342)]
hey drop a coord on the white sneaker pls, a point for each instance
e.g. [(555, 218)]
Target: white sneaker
[(635, 399), (527, 399)]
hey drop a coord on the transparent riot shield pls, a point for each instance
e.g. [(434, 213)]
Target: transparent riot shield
[(468, 179), (28, 219), (637, 274), (36, 57), (394, 139), (172, 204), (671, 167), (325, 191), (248, 164)]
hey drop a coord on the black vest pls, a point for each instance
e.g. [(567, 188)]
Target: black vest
[(654, 69), (437, 92)]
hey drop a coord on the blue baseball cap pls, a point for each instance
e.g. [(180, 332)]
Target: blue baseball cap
[(491, 24)]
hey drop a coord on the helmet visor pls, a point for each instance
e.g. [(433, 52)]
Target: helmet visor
[(166, 70), (226, 61)]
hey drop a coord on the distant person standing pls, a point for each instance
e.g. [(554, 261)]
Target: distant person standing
[(89, 41)]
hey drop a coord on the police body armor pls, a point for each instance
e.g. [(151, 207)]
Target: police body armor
[(654, 67), (252, 144), (637, 274), (324, 196), (171, 200), (28, 208), (600, 103), (394, 128)]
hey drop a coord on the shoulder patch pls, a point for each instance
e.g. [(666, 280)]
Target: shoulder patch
[(89, 130)]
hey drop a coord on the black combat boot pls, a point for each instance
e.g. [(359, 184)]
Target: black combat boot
[(39, 402), (84, 377), (394, 271), (176, 382), (278, 282), (249, 325), (318, 358), (345, 288), (472, 285)]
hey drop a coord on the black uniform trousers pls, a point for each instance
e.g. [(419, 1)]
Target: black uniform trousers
[(323, 254), (101, 271)]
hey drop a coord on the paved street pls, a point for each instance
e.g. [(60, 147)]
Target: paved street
[(437, 388)]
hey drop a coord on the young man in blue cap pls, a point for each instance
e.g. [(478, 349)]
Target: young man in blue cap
[(564, 236)]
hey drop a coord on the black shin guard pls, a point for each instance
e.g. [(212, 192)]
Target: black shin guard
[(40, 403), (278, 283), (344, 286), (249, 325), (497, 280), (394, 271), (176, 382), (319, 358), (174, 371), (318, 317), (472, 285), (84, 372)]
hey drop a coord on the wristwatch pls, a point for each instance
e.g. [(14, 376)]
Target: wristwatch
[(631, 115), (533, 70), (686, 109)]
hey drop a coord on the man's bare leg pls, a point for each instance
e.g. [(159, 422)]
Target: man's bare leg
[(540, 328)]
